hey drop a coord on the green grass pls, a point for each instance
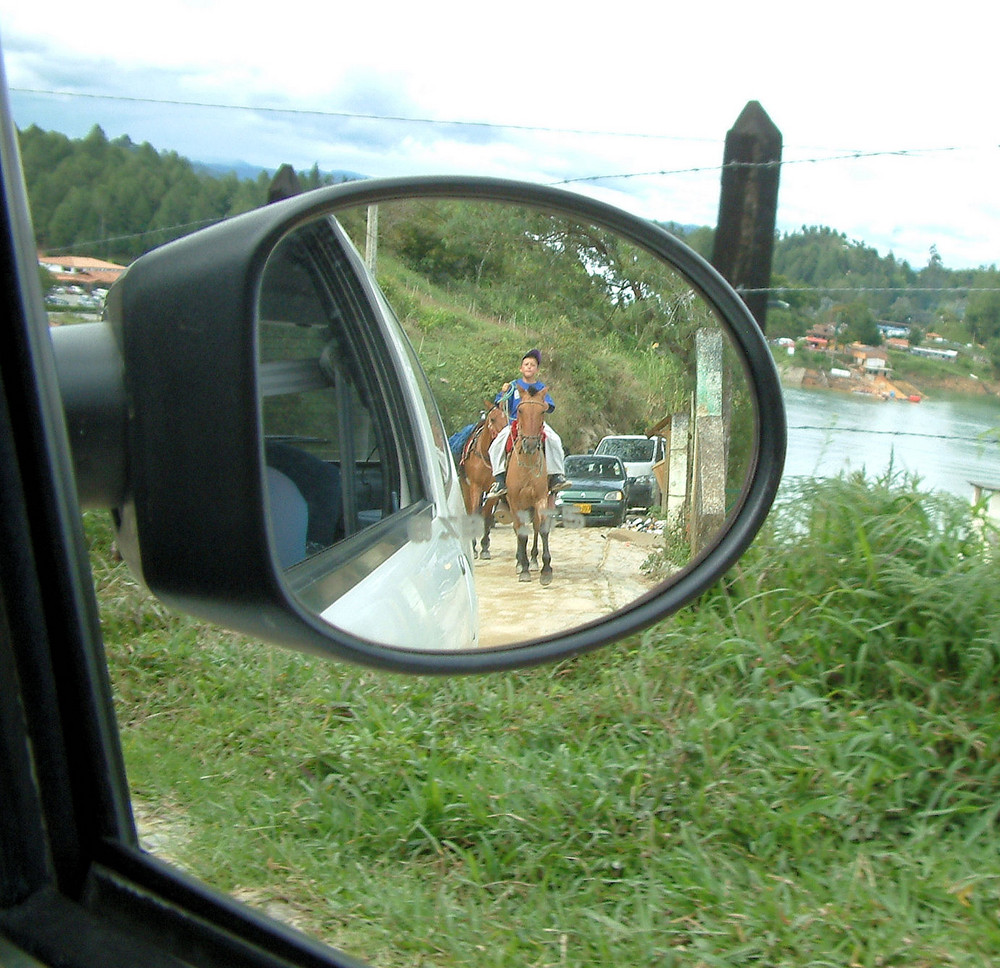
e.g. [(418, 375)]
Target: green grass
[(801, 769)]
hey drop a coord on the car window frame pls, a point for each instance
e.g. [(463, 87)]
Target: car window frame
[(76, 889)]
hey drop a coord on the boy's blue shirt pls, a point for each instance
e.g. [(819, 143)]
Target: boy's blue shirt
[(524, 387)]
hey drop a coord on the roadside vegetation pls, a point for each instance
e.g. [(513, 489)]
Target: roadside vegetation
[(938, 373), (803, 768)]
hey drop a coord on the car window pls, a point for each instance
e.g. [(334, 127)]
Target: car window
[(629, 450), (593, 467), (321, 435)]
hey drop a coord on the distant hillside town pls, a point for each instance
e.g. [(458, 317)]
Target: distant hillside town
[(78, 283), (75, 270)]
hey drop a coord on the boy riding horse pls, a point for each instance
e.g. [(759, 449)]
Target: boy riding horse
[(554, 454)]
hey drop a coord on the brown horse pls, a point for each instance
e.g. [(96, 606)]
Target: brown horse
[(476, 474), (528, 485)]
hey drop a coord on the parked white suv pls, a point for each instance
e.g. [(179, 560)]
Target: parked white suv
[(639, 454)]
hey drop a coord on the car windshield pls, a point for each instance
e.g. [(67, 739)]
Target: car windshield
[(593, 467), (628, 449)]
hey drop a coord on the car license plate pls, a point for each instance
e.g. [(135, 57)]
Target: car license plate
[(583, 508)]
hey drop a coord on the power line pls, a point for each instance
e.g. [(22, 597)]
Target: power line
[(981, 438), (784, 163), (351, 115), (937, 289), (843, 156), (550, 129), (164, 230)]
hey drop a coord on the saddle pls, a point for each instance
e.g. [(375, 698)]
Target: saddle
[(470, 443)]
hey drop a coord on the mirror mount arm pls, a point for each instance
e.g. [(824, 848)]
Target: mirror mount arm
[(91, 376)]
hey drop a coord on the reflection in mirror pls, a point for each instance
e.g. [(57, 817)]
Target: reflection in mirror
[(642, 387), (355, 522), (321, 438)]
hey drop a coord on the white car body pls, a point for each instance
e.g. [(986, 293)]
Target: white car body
[(423, 596)]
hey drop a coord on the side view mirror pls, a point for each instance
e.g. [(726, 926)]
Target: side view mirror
[(272, 450)]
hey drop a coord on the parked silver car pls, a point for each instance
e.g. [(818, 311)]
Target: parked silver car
[(597, 493)]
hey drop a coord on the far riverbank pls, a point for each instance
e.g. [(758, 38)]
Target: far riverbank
[(882, 387)]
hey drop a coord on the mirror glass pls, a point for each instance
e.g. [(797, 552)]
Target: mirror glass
[(644, 394)]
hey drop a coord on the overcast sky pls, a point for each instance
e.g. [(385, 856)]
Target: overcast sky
[(887, 110)]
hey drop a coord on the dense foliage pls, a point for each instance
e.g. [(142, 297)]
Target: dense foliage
[(842, 272), (476, 284)]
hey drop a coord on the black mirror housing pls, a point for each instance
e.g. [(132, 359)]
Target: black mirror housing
[(184, 317)]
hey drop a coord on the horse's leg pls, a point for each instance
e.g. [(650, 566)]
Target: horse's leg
[(534, 542), (546, 573), (484, 541), (544, 519), (523, 573), (484, 544), (473, 500), (467, 499), (522, 525)]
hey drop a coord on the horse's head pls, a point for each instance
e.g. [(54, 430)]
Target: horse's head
[(495, 420), (530, 414)]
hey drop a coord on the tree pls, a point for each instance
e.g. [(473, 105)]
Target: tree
[(983, 314), (859, 323), (74, 220)]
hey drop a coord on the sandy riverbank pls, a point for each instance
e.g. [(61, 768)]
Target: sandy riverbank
[(885, 388)]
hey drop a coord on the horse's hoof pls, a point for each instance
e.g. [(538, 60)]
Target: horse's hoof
[(545, 579), (524, 576), (484, 555)]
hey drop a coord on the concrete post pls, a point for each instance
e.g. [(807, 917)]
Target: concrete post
[(709, 477), (371, 240), (675, 496)]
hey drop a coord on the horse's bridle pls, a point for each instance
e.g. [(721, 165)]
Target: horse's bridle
[(530, 443)]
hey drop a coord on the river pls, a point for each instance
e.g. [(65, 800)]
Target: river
[(938, 439)]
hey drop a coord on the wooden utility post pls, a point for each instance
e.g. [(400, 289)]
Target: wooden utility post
[(744, 236), (285, 184)]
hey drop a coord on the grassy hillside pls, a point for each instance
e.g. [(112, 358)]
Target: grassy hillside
[(478, 284), (600, 385)]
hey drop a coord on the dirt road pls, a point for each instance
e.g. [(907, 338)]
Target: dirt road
[(594, 572)]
